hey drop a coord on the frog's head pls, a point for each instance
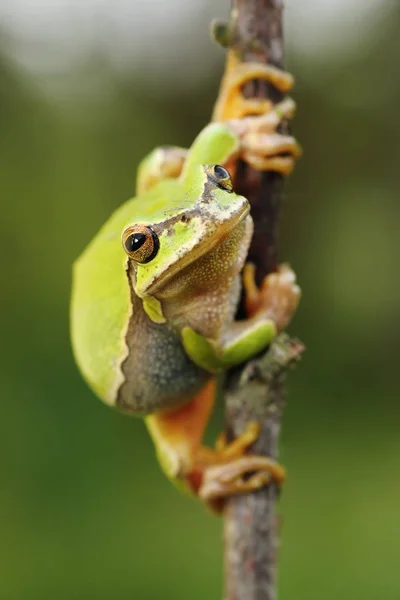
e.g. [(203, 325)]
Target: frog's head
[(183, 229)]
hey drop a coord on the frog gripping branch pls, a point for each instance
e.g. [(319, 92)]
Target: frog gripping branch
[(155, 293)]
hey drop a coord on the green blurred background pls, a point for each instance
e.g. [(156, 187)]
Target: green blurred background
[(85, 511)]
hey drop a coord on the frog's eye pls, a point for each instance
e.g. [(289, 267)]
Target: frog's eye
[(222, 178), (140, 243)]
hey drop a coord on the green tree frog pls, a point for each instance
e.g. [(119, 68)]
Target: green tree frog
[(156, 291)]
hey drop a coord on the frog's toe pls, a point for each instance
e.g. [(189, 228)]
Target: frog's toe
[(263, 147), (276, 298), (231, 103), (241, 107), (239, 476), (279, 164), (229, 450), (271, 144)]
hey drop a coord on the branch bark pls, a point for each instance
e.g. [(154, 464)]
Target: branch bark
[(257, 392), (258, 36)]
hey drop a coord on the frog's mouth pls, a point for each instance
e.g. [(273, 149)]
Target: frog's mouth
[(200, 248)]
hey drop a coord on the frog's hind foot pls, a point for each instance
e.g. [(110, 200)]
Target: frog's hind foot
[(262, 147), (229, 471), (211, 474), (240, 476), (231, 104)]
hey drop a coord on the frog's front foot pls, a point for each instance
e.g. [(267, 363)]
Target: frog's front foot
[(276, 298), (261, 146)]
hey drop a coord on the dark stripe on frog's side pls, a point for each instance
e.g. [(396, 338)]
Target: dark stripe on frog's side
[(157, 372)]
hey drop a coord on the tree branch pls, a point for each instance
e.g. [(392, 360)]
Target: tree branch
[(257, 393), (259, 37), (250, 522)]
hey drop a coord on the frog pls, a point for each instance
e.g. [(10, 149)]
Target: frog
[(155, 293)]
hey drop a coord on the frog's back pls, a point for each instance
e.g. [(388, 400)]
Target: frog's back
[(101, 305)]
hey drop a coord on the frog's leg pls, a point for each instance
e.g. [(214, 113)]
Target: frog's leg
[(210, 473), (213, 474), (231, 104), (269, 310), (164, 162)]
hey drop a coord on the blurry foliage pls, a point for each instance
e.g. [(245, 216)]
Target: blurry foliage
[(86, 513)]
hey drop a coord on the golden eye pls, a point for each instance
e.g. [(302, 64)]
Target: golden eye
[(141, 243), (222, 178)]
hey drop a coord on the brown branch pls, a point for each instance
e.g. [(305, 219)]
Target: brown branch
[(258, 37), (251, 540), (258, 392)]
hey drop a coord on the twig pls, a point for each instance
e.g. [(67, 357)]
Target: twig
[(258, 392)]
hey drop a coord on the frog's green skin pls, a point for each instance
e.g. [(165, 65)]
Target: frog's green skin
[(149, 337)]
